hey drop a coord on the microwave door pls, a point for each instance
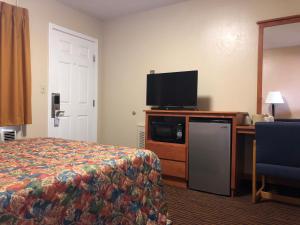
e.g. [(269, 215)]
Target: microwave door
[(168, 133)]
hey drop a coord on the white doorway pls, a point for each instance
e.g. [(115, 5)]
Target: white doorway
[(72, 91)]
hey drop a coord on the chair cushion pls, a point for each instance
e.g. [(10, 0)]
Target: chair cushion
[(278, 171), (278, 143)]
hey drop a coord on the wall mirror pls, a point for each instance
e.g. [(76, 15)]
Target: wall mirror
[(278, 83)]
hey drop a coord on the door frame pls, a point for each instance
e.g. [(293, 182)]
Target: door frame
[(53, 27)]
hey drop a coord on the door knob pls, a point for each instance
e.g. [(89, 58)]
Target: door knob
[(59, 113)]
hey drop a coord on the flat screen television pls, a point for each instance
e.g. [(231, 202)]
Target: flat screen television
[(172, 90)]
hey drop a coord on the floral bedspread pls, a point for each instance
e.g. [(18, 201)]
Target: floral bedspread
[(55, 181)]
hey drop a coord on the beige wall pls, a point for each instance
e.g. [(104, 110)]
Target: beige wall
[(217, 37), (41, 13), (281, 72)]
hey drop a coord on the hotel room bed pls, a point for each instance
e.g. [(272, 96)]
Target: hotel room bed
[(55, 181)]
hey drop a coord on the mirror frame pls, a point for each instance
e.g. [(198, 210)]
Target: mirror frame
[(262, 25)]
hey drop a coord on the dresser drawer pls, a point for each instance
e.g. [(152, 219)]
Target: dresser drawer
[(173, 168), (170, 151)]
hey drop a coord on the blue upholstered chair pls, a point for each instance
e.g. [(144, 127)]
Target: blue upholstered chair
[(276, 153)]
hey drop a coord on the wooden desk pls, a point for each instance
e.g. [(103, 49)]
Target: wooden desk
[(245, 137), (246, 130)]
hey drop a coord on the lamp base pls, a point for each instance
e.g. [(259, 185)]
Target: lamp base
[(273, 110)]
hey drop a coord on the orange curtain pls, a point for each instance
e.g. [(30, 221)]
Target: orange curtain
[(15, 67)]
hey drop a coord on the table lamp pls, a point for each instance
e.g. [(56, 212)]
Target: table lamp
[(274, 97)]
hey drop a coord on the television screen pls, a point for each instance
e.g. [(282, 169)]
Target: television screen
[(178, 89)]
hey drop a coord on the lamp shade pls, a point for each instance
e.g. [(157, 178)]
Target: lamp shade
[(274, 97)]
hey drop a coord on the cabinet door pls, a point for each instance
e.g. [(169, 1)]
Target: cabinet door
[(176, 152), (173, 168)]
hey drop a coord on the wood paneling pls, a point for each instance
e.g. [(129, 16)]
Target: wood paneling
[(176, 182), (246, 129), (262, 25), (233, 156), (173, 168), (172, 151), (280, 21), (192, 113), (187, 131)]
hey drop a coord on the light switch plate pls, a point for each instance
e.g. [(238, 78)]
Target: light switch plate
[(43, 89)]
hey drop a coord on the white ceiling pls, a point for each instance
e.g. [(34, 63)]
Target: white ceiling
[(110, 9), (287, 35)]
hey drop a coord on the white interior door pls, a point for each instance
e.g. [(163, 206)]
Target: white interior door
[(72, 75)]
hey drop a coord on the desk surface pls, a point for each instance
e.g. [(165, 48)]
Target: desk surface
[(246, 129)]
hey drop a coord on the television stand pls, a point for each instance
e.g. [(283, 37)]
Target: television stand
[(174, 157)]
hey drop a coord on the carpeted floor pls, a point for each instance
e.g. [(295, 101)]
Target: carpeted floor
[(188, 207)]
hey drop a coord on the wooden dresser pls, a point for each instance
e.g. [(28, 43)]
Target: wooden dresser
[(174, 156)]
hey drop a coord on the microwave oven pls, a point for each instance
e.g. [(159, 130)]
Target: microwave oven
[(168, 131)]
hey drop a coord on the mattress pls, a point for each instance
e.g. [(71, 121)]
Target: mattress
[(56, 181)]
